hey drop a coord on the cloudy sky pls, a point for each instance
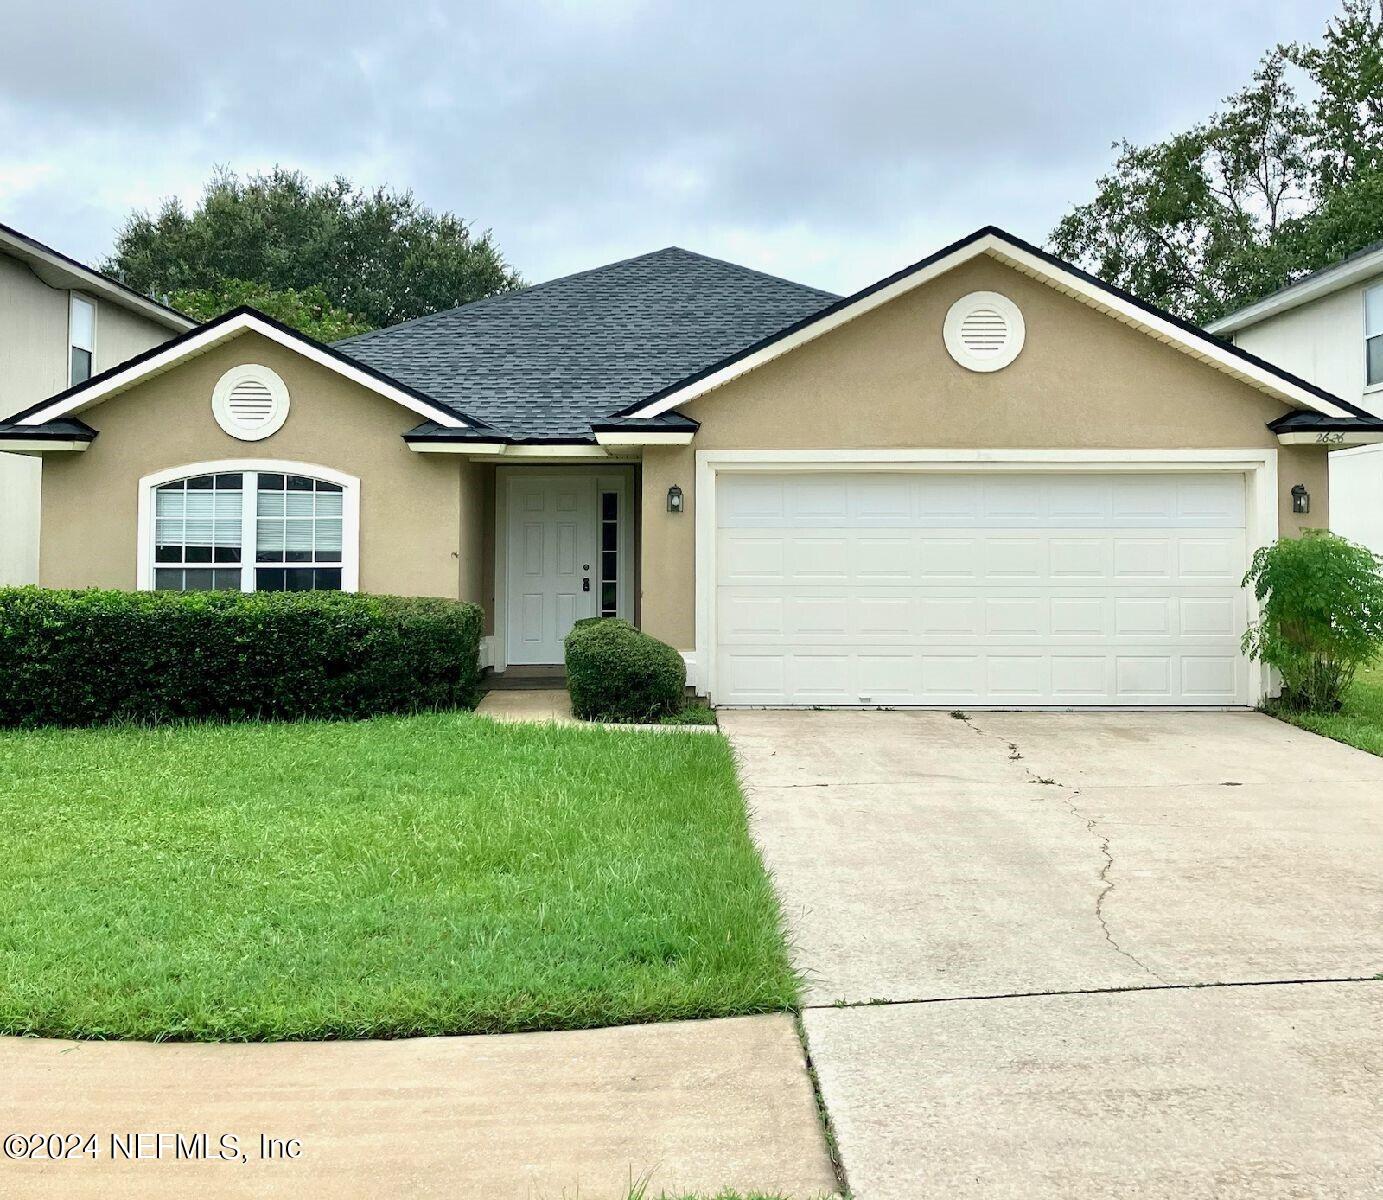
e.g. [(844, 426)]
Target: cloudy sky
[(829, 142)]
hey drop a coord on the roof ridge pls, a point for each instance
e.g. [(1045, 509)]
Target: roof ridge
[(744, 270), (495, 297), (470, 305)]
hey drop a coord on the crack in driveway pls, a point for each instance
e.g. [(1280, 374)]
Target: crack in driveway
[(1015, 755)]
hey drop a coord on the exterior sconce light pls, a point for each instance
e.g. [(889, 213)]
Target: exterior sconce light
[(674, 499), (1301, 499)]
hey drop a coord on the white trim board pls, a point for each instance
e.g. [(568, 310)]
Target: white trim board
[(215, 335), (350, 511), (1066, 282), (1258, 466)]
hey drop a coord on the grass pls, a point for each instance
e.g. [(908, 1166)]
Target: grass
[(692, 714), (437, 874), (1359, 723)]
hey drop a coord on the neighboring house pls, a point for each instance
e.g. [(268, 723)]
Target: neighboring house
[(60, 323), (989, 479), (1328, 328)]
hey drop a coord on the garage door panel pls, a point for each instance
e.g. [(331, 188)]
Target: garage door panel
[(950, 589)]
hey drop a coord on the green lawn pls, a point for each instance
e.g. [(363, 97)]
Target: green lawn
[(1360, 722), (400, 876)]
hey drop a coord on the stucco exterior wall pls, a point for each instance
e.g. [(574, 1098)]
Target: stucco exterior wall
[(420, 515), (885, 381)]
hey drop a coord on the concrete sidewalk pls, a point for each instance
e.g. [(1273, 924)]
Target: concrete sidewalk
[(689, 1106)]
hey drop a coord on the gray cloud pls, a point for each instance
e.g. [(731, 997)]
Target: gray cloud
[(830, 142)]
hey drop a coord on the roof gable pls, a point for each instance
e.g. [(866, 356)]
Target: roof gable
[(215, 333), (1038, 264)]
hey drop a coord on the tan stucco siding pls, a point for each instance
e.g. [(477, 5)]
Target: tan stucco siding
[(419, 527), (885, 381)]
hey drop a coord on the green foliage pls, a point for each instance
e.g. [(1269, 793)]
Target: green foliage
[(1265, 190), (85, 657), (617, 673), (1321, 600), (398, 877), (308, 311), (378, 255), (1359, 722)]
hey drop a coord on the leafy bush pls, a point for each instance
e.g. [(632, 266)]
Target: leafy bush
[(83, 657), (617, 673), (1321, 616)]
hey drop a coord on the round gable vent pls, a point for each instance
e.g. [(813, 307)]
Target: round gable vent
[(984, 331), (250, 402)]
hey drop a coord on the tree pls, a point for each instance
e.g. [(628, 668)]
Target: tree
[(380, 256), (308, 311), (1262, 192)]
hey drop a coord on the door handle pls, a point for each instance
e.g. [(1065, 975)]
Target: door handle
[(586, 584)]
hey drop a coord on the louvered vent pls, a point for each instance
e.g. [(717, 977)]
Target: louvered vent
[(251, 404), (984, 331)]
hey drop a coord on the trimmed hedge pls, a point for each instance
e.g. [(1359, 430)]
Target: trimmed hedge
[(617, 673), (85, 657)]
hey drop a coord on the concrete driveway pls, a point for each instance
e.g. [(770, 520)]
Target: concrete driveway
[(1008, 920)]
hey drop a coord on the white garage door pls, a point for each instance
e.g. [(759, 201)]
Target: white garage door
[(1004, 589)]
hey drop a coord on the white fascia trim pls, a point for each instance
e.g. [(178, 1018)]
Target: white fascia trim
[(65, 274), (471, 448), (350, 511), (40, 446), (1329, 439), (1039, 269), (1259, 467), (622, 438), (208, 339), (1343, 276), (538, 450)]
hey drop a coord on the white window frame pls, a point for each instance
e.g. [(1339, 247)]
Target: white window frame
[(350, 514), (73, 299), (1370, 334)]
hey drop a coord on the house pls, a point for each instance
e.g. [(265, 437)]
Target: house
[(60, 323), (1328, 328), (988, 479)]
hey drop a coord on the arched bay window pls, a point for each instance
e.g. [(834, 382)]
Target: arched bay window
[(250, 526)]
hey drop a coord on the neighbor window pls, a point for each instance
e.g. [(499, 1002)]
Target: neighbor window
[(249, 531), (81, 336), (1373, 335)]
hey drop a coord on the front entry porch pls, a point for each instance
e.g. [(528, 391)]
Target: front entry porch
[(565, 547)]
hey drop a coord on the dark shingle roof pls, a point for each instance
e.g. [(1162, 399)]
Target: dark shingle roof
[(544, 362)]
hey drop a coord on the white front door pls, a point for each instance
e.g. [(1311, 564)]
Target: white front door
[(552, 576)]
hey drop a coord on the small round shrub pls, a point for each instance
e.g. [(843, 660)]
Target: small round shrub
[(1321, 615), (617, 673)]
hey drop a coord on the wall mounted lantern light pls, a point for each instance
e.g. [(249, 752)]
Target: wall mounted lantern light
[(1301, 499), (674, 499)]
